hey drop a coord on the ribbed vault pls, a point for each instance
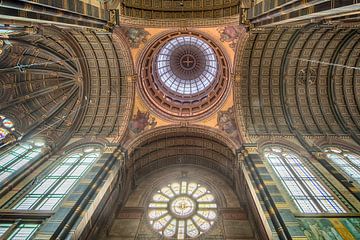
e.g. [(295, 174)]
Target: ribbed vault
[(43, 83), (58, 80), (300, 79)]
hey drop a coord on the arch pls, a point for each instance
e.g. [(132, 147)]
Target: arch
[(347, 161), (210, 133), (175, 145), (185, 13), (272, 96)]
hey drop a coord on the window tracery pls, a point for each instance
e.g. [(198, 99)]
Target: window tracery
[(347, 161), (52, 189), (182, 210), (308, 193), (17, 157)]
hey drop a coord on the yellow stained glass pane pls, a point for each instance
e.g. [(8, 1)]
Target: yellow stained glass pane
[(191, 188), (167, 191)]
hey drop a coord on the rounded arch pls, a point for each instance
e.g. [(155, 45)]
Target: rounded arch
[(173, 129), (336, 142), (290, 144), (178, 146), (100, 142)]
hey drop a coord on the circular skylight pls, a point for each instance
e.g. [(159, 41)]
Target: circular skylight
[(187, 65), (183, 76), (182, 210)]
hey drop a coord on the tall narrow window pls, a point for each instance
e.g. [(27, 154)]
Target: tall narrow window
[(17, 157), (305, 189), (53, 188), (348, 162)]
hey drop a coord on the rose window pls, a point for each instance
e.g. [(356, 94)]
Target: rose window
[(182, 210)]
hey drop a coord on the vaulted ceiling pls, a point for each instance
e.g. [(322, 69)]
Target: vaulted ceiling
[(303, 79), (179, 8)]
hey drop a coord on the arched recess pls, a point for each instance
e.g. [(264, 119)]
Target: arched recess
[(175, 145), (231, 217)]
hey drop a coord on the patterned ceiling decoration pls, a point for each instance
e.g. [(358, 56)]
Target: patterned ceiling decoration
[(300, 80), (42, 77), (48, 77), (174, 145), (183, 75), (156, 9), (112, 84)]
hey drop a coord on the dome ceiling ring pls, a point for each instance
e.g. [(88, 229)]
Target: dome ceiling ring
[(183, 75)]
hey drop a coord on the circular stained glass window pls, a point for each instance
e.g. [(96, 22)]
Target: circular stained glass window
[(182, 210)]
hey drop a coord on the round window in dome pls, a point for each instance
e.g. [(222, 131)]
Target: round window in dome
[(183, 76), (186, 65), (182, 210)]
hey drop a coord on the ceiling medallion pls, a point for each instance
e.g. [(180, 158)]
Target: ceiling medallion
[(183, 76)]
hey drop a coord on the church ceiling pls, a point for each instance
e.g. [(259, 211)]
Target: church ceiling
[(56, 79), (111, 85), (300, 79), (41, 84), (174, 145), (179, 9)]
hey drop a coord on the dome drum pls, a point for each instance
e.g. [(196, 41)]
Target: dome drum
[(183, 75)]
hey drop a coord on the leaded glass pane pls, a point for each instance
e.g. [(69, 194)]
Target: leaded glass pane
[(349, 163), (305, 189), (182, 210), (181, 84), (53, 188), (16, 158)]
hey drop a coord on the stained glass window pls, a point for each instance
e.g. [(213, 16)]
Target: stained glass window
[(347, 161), (182, 210), (17, 157), (6, 127), (22, 231), (51, 189), (303, 186)]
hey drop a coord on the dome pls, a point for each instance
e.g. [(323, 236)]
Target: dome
[(186, 65), (184, 76)]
